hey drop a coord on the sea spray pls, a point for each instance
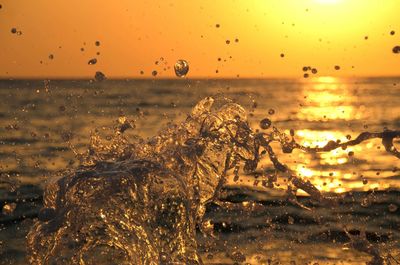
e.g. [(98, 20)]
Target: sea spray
[(136, 201)]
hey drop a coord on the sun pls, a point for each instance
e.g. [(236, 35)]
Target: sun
[(327, 1)]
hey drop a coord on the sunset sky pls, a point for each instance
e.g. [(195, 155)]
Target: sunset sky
[(134, 35)]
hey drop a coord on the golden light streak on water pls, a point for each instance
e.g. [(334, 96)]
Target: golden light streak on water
[(327, 99)]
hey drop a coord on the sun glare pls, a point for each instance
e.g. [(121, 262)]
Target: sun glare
[(327, 1)]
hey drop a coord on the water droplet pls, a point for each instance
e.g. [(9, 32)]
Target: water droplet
[(392, 208), (9, 208), (305, 68), (337, 67), (51, 56), (314, 71), (348, 137), (181, 68), (154, 73), (396, 49), (97, 43), (92, 61), (13, 30), (271, 111), (238, 256), (227, 41), (365, 181), (236, 40), (99, 76), (217, 25), (365, 202), (142, 72), (351, 153), (366, 38), (290, 220), (306, 75), (265, 123), (282, 55), (392, 32)]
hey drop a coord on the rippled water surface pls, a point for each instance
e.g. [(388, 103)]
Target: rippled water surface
[(44, 124)]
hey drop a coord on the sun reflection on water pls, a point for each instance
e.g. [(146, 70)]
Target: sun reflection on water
[(326, 100)]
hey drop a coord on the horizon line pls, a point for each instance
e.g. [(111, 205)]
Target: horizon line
[(118, 78)]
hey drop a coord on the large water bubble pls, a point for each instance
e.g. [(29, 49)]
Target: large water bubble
[(181, 68)]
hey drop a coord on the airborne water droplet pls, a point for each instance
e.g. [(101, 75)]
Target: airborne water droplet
[(365, 181), (181, 68), (92, 61), (265, 123), (238, 256), (99, 76), (290, 220), (392, 208), (9, 208)]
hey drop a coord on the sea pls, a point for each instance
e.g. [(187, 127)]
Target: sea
[(46, 124)]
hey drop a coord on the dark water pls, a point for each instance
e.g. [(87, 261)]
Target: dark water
[(44, 123)]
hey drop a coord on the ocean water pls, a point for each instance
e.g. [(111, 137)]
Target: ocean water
[(45, 124)]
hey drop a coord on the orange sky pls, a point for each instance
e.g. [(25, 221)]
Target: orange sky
[(134, 34)]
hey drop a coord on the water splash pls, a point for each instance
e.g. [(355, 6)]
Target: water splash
[(136, 201)]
